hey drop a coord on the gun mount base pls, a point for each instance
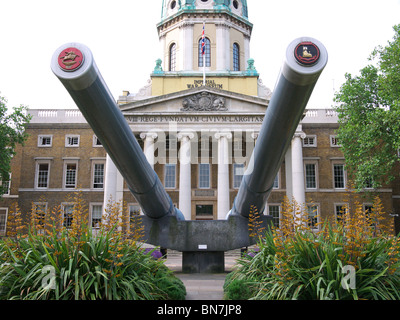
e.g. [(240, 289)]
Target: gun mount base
[(203, 262), (203, 243)]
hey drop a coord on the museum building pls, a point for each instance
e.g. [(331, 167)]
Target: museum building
[(197, 135)]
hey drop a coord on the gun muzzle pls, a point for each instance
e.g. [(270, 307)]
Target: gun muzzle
[(74, 66), (305, 60)]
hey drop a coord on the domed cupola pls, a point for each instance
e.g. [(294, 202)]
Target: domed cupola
[(227, 33)]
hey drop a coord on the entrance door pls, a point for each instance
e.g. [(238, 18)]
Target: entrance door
[(204, 212)]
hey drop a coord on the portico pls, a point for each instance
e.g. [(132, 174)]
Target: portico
[(196, 152)]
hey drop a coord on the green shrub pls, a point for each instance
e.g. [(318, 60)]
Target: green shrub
[(94, 269), (312, 270), (296, 263), (75, 264), (238, 289), (172, 286), (2, 252)]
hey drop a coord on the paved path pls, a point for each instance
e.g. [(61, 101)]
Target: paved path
[(203, 286), (200, 286)]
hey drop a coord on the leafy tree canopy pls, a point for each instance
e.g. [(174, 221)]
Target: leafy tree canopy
[(369, 117), (12, 132)]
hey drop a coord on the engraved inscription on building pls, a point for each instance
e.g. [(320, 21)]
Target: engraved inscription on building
[(209, 84), (204, 101)]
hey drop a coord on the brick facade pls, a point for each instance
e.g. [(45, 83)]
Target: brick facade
[(24, 189)]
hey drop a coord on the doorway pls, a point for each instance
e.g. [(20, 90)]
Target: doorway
[(204, 212)]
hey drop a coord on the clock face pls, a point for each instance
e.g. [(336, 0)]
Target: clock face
[(70, 59), (307, 53)]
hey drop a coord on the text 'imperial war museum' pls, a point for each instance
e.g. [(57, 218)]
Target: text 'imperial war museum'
[(197, 135)]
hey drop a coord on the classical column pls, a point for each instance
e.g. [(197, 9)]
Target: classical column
[(165, 50), (186, 41), (223, 47), (246, 49), (223, 174), (185, 174), (114, 184), (149, 138), (298, 192), (288, 171)]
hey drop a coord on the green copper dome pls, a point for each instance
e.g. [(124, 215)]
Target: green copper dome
[(172, 7)]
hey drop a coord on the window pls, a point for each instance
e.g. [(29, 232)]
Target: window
[(97, 212), (276, 182), (72, 141), (96, 142), (339, 176), (236, 57), (238, 172), (45, 141), (334, 142), (312, 211), (68, 210), (310, 141), (3, 220), (204, 175), (207, 53), (70, 174), (340, 211), (134, 212), (204, 212), (311, 175), (369, 183), (172, 57), (7, 186), (274, 211), (170, 176), (39, 212), (368, 209), (98, 175), (42, 174)]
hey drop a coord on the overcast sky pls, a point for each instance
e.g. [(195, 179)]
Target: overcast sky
[(123, 37)]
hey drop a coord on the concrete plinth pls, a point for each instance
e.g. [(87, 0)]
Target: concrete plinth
[(202, 243), (203, 262)]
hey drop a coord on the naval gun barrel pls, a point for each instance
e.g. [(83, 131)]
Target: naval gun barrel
[(304, 62), (74, 66)]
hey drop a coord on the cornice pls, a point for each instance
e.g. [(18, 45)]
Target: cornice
[(211, 16), (190, 92)]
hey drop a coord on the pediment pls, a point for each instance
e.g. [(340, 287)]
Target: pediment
[(197, 100)]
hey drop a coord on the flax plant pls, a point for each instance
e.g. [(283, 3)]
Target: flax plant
[(255, 223), (15, 226), (15, 230), (296, 261), (74, 261)]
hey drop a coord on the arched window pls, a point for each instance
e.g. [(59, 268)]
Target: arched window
[(236, 57), (172, 57), (207, 53)]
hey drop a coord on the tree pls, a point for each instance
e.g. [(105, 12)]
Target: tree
[(12, 132), (369, 117)]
